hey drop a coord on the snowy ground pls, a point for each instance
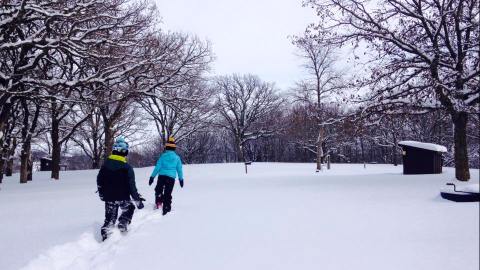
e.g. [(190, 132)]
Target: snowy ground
[(280, 216)]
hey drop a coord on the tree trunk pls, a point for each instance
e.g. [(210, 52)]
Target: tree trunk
[(363, 151), (56, 149), (239, 150), (6, 105), (240, 155), (225, 150), (25, 152), (319, 149), (96, 162), (109, 139), (4, 142), (3, 156), (55, 137), (2, 166), (30, 168), (24, 162), (394, 151), (28, 141), (460, 120), (9, 169), (96, 153), (10, 154)]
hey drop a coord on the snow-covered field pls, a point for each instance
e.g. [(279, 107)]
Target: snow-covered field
[(279, 216)]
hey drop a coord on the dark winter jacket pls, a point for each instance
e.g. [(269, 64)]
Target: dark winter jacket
[(116, 180)]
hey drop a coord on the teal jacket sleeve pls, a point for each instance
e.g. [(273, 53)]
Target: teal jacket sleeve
[(157, 168), (179, 168)]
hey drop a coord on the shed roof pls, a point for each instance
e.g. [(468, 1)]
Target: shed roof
[(422, 145)]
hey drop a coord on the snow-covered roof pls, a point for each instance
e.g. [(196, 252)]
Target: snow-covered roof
[(422, 145)]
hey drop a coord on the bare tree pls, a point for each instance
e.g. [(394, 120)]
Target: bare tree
[(173, 91), (244, 104), (122, 119), (31, 113), (175, 60), (36, 33), (324, 81), (55, 50), (180, 112), (8, 142), (90, 136), (426, 55)]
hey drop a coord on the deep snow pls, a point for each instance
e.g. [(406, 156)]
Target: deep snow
[(279, 216)]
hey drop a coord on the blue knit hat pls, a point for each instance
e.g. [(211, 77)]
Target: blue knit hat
[(120, 146)]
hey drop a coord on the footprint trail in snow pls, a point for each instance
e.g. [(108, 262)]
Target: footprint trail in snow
[(88, 252)]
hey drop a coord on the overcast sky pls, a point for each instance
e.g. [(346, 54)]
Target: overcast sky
[(249, 36)]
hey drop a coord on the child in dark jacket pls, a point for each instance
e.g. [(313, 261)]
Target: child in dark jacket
[(116, 184), (168, 166)]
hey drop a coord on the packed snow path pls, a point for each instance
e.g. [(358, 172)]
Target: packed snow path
[(279, 216)]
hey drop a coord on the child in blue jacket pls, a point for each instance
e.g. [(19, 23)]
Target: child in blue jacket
[(168, 166)]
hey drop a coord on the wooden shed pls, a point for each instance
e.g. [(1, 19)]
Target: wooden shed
[(45, 164), (422, 158)]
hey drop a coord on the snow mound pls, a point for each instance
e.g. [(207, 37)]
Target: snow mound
[(422, 145)]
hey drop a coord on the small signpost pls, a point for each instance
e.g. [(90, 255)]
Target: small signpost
[(246, 166)]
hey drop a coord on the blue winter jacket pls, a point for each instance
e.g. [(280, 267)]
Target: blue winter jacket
[(169, 164)]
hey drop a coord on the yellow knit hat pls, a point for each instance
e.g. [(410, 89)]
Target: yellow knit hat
[(170, 142)]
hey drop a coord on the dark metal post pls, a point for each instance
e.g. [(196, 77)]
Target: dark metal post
[(246, 165)]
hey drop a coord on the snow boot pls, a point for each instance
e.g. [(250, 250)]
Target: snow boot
[(104, 235), (122, 226), (166, 209), (106, 230)]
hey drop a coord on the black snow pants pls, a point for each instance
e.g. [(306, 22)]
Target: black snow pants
[(111, 214), (163, 192)]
